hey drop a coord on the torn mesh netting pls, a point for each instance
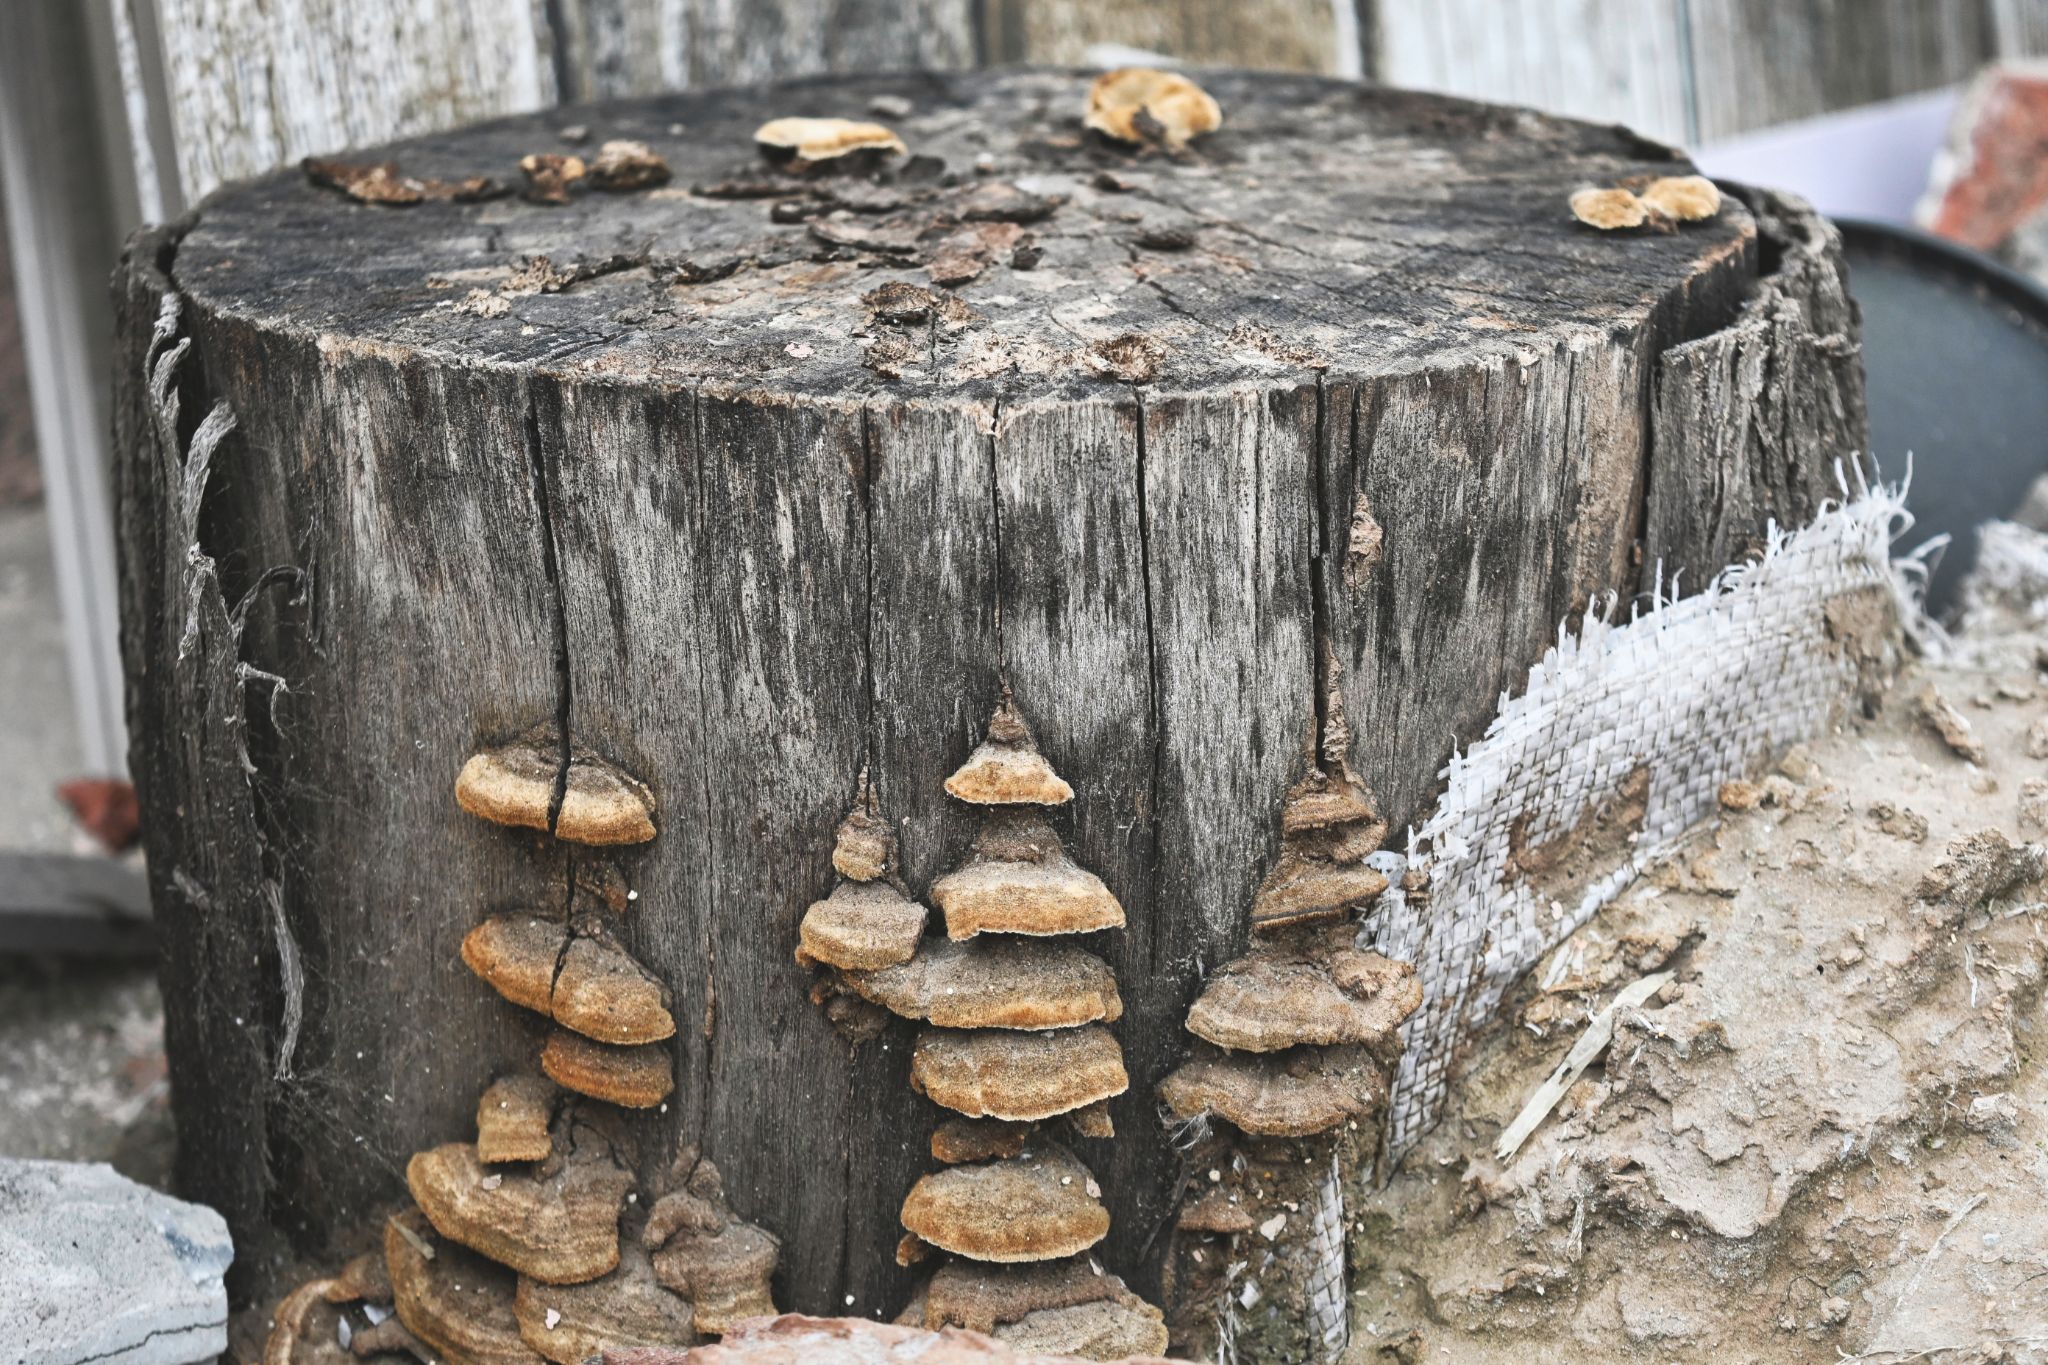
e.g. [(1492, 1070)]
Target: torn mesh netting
[(1647, 718)]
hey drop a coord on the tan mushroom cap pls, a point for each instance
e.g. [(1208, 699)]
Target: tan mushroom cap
[(514, 784), (861, 926), (1610, 210), (627, 1308), (622, 164), (1688, 198), (1321, 801), (1020, 881), (1278, 997), (1308, 1090), (559, 1226), (1301, 889), (823, 139), (1217, 1211), (453, 1300), (365, 1279), (864, 847), (1037, 1206), (1020, 1077), (1004, 983), (636, 1077), (960, 1139), (517, 954), (1007, 769), (602, 992), (512, 1119), (1144, 104), (703, 1252), (982, 1297)]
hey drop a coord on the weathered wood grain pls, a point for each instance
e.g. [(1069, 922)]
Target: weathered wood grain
[(678, 480), (1282, 35), (1751, 421)]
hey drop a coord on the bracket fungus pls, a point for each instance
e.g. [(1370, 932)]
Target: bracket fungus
[(626, 165), (1145, 104), (1328, 826), (633, 1077), (550, 176), (1068, 1307), (864, 847), (1037, 1206), (514, 784), (1610, 210), (583, 981), (1003, 984), (557, 1223), (1019, 880), (801, 143), (625, 1309), (1017, 1076), (1298, 1093), (1283, 995), (1007, 769), (1687, 198), (513, 1119), (456, 1302), (704, 1253), (861, 926)]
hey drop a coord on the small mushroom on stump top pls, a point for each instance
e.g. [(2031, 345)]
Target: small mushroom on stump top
[(1145, 104), (804, 143)]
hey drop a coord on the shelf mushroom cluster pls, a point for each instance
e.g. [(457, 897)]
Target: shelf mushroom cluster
[(530, 1243), (1014, 1043), (1296, 1039)]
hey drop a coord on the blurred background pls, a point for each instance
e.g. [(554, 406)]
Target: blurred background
[(117, 112)]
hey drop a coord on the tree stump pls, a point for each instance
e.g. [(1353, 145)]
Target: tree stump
[(1326, 421)]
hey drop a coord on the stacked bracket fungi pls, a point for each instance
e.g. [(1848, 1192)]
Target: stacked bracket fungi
[(1297, 1038), (1014, 1043), (530, 1244)]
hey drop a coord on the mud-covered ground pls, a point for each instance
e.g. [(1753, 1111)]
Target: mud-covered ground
[(1826, 1138)]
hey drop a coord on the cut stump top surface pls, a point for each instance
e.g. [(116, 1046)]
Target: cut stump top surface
[(1327, 227)]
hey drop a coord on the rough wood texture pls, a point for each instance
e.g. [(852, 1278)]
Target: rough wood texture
[(1287, 35), (705, 505), (1740, 415)]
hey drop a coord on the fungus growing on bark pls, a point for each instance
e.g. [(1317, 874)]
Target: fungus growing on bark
[(1301, 890), (551, 175), (517, 955), (704, 1253), (1092, 1120), (558, 1223), (584, 982), (514, 784), (861, 926), (1003, 984), (513, 1118), (864, 847), (1037, 1206), (1328, 826), (1017, 1076), (1019, 880), (800, 142), (635, 1077), (628, 1308), (1007, 769), (1687, 198), (1144, 104), (1282, 995), (960, 1139), (1308, 1090), (1610, 210), (1067, 1307), (456, 1302), (304, 1328), (602, 992), (626, 165)]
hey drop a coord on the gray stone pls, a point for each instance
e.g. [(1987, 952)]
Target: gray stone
[(94, 1267)]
